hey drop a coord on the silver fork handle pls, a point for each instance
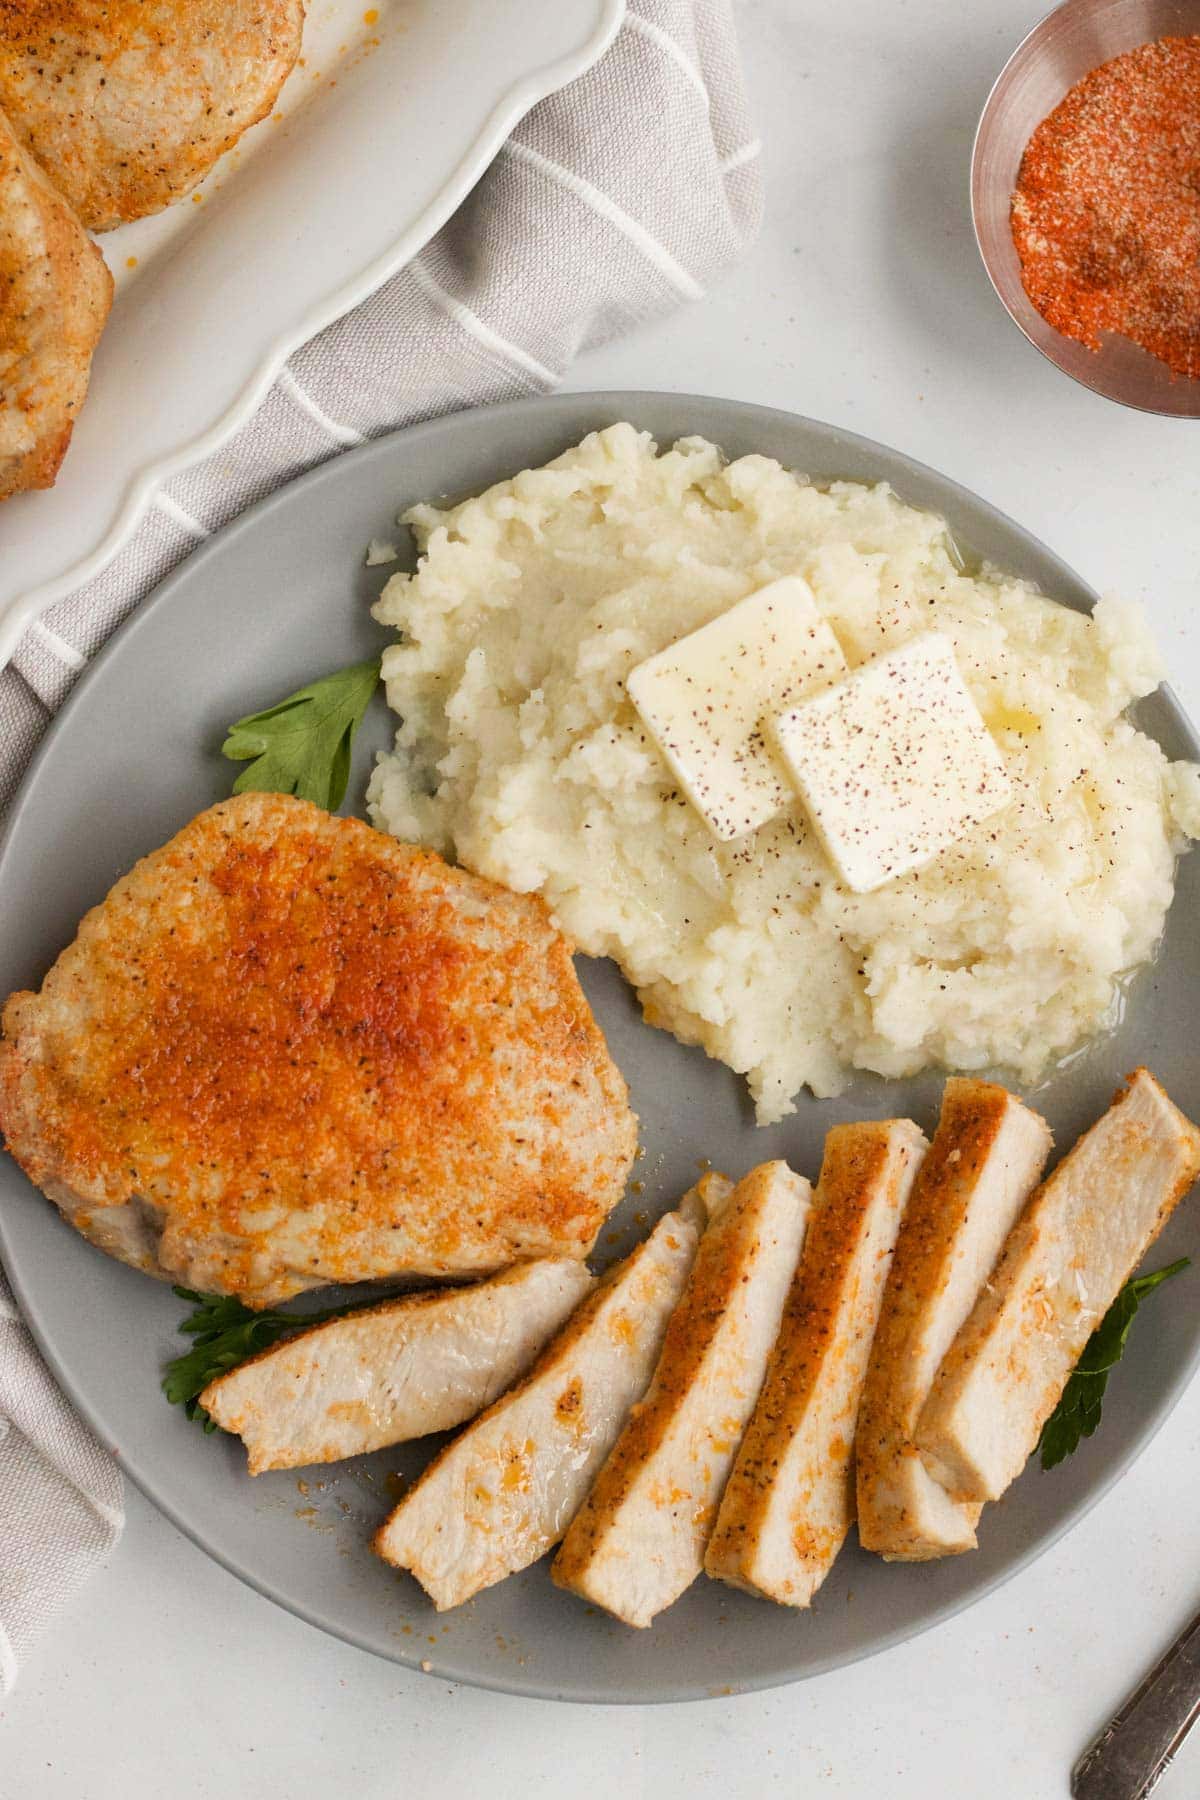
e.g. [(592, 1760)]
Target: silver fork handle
[(1131, 1753)]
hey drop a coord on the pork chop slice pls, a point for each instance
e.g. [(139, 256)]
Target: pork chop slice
[(55, 292), (789, 1501), (1075, 1245), (985, 1158), (638, 1541), (399, 1370), (128, 103), (288, 1050), (506, 1489)]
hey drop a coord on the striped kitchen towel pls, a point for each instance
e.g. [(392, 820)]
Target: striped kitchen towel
[(614, 201)]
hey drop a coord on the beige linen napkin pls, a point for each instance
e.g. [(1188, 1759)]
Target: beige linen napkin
[(614, 201)]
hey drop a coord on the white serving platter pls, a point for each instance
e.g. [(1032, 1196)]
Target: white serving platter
[(389, 119)]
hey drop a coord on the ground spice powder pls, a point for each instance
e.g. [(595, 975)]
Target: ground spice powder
[(1106, 213)]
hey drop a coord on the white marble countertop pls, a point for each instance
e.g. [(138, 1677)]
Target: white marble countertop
[(863, 303)]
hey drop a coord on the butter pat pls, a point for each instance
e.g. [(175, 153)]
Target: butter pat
[(704, 700), (894, 763)]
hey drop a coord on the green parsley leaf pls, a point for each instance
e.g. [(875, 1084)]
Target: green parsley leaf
[(1078, 1412), (302, 746), (226, 1333)]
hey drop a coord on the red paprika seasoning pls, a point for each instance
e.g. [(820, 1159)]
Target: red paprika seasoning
[(1106, 213)]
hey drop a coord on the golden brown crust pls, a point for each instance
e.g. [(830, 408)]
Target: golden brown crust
[(128, 103), (720, 1269), (314, 1054), (1052, 1325), (973, 1113), (55, 293), (972, 1118), (857, 1157)]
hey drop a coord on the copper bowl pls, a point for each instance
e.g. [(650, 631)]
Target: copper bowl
[(1072, 39)]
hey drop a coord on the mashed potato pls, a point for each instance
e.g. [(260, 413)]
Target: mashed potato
[(520, 755)]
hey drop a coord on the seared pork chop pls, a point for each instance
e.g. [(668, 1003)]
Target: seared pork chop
[(128, 103), (638, 1541), (399, 1370), (506, 1489), (984, 1161), (55, 292), (287, 1050), (790, 1500), (1072, 1250)]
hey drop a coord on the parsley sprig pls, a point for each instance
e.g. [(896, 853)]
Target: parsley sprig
[(302, 746), (1078, 1412), (225, 1334)]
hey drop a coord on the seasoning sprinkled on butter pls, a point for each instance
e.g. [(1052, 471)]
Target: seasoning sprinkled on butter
[(894, 764), (704, 699)]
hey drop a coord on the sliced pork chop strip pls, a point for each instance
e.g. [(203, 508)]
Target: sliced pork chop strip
[(400, 1370), (987, 1154), (790, 1499), (1076, 1244), (506, 1489), (638, 1541)]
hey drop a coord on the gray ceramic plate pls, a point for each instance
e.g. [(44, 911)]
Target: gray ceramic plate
[(276, 599)]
